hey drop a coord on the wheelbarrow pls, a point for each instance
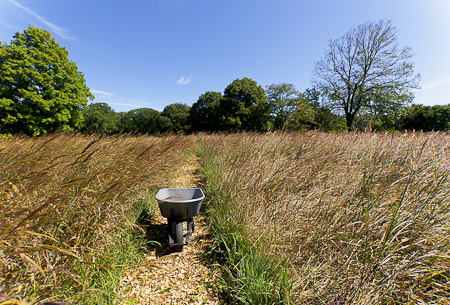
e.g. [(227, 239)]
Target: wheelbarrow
[(179, 205)]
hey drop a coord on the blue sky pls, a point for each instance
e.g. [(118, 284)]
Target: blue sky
[(151, 53)]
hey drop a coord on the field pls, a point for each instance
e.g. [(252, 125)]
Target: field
[(69, 207), (296, 218), (332, 218)]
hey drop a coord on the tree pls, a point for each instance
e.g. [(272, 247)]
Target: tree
[(383, 111), (164, 124), (290, 109), (302, 118), (99, 118), (141, 120), (282, 99), (178, 114), (426, 118), (324, 117), (204, 114), (363, 66), (245, 107), (40, 89)]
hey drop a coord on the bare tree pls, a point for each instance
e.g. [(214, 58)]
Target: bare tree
[(363, 64)]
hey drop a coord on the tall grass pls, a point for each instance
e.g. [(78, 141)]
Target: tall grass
[(68, 209), (361, 218), (251, 274)]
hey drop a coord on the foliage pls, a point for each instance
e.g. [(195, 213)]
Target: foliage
[(293, 110), (324, 118), (141, 121), (283, 100), (164, 124), (40, 89), (362, 218), (205, 113), (302, 118), (244, 106), (99, 118), (327, 120), (241, 107), (365, 70), (178, 114), (426, 118)]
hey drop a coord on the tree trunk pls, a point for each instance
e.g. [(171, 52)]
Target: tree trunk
[(349, 118)]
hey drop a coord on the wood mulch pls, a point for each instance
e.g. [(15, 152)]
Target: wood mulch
[(169, 277)]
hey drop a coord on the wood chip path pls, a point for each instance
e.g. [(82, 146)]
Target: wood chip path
[(173, 277)]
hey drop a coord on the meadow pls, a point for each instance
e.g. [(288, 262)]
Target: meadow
[(296, 218), (69, 209), (331, 218)]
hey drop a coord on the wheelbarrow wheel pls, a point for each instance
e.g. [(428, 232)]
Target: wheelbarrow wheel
[(178, 236)]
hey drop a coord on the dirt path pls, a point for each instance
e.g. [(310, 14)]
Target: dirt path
[(178, 277)]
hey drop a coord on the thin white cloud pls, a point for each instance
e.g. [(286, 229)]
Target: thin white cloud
[(60, 31), (124, 104), (102, 93), (184, 81), (5, 36), (435, 84), (4, 23), (137, 102)]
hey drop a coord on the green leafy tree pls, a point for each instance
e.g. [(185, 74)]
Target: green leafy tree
[(283, 100), (164, 124), (383, 111), (205, 114), (141, 120), (244, 106), (362, 65), (324, 117), (426, 118), (99, 118), (178, 114), (40, 89), (302, 118), (290, 109)]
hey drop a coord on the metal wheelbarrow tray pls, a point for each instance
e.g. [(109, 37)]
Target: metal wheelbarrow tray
[(179, 205)]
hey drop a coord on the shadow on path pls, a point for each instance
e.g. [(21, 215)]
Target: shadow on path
[(156, 234)]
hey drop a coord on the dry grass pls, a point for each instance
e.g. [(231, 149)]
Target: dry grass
[(362, 218), (66, 202)]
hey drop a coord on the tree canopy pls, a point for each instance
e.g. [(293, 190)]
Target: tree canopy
[(283, 99), (175, 117), (99, 118), (364, 68), (244, 106), (426, 118), (41, 90), (141, 121), (205, 113)]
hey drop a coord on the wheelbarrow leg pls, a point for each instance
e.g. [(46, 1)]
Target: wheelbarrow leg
[(175, 232), (190, 227), (171, 230), (178, 236)]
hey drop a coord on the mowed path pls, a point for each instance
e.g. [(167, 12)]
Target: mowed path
[(173, 277)]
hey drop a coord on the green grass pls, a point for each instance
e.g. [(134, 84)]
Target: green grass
[(250, 275)]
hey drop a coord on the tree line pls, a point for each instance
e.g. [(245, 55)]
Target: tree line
[(363, 81), (283, 108)]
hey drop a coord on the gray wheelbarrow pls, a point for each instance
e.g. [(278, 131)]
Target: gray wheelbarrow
[(179, 205)]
